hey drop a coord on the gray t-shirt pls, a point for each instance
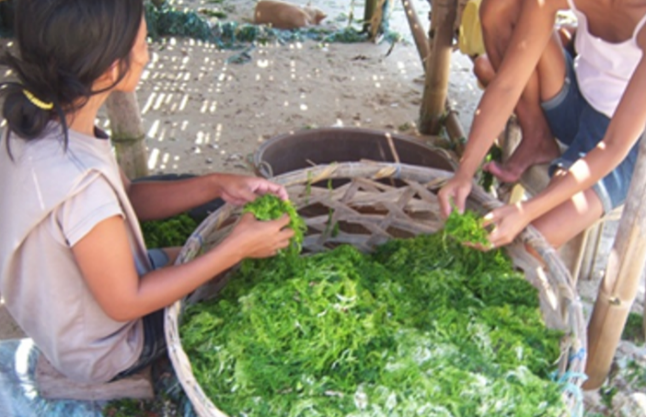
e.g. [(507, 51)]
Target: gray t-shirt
[(51, 198)]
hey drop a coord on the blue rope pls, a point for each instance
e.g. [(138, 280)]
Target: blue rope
[(572, 389), (580, 355)]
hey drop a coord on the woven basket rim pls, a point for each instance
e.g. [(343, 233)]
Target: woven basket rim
[(572, 361)]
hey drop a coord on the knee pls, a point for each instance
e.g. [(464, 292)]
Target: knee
[(497, 13), (483, 69)]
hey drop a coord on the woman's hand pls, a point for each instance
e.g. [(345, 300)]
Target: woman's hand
[(455, 192), (260, 239), (241, 189), (507, 221)]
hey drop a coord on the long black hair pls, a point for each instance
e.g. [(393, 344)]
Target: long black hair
[(63, 46)]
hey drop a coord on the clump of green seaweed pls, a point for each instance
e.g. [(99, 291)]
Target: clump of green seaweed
[(271, 207), (466, 227), (422, 326), (169, 232)]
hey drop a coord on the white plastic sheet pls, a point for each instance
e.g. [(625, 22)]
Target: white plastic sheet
[(18, 392)]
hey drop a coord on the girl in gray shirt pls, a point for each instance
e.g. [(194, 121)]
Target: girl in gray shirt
[(74, 271)]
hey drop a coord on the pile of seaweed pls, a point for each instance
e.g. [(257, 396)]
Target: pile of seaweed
[(166, 20), (422, 326)]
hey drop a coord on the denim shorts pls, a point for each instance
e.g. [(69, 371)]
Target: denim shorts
[(153, 324), (579, 128)]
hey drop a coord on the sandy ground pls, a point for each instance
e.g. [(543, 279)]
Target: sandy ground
[(203, 113)]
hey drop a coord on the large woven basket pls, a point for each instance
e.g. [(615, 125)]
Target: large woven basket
[(375, 202)]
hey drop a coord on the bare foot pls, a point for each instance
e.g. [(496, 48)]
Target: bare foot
[(530, 151), (501, 172)]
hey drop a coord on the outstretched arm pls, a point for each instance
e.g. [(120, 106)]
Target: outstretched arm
[(160, 199)]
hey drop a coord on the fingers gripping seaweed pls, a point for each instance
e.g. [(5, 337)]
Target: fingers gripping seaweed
[(466, 227), (270, 207)]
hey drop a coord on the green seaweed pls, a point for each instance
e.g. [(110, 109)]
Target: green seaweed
[(169, 232), (422, 326), (633, 330), (466, 227), (271, 207)]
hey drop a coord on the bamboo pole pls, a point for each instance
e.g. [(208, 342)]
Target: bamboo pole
[(419, 35), (438, 68), (621, 279), (371, 6), (128, 134), (452, 123)]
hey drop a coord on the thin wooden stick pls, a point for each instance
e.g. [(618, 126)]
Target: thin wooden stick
[(391, 144)]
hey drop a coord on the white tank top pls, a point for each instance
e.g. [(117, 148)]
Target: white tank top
[(602, 68)]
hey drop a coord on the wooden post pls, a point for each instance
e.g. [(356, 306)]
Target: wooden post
[(452, 124), (438, 67), (371, 6), (128, 134), (621, 280)]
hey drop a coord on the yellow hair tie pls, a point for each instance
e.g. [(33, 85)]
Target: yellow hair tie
[(37, 102)]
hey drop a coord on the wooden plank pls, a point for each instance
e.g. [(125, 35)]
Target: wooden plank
[(52, 384)]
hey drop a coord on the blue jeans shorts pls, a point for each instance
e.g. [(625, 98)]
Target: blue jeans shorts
[(153, 323), (579, 128)]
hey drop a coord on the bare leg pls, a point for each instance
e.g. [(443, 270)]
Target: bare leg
[(485, 72), (537, 146), (570, 218)]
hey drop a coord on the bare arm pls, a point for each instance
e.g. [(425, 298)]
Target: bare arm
[(529, 40), (106, 263), (153, 200)]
